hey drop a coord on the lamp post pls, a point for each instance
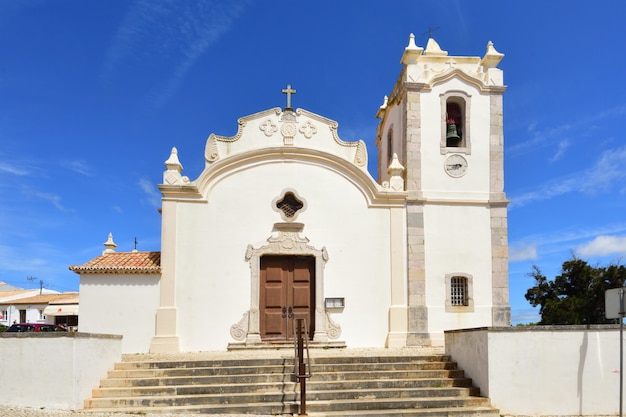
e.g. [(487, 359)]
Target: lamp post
[(614, 309), (621, 348)]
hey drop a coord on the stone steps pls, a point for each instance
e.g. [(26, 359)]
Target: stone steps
[(312, 385), (339, 386), (212, 395)]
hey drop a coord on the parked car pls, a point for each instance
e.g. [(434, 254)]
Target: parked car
[(35, 327)]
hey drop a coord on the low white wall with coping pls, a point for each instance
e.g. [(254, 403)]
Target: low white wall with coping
[(54, 370), (542, 370)]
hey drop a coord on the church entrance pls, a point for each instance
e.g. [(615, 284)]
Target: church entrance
[(287, 285)]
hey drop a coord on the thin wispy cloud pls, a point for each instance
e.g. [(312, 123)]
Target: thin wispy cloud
[(526, 316), (563, 146), (540, 139), (603, 246), (522, 252), (152, 194), (14, 261), (577, 234), (53, 199), (607, 171), (13, 169), (79, 166), (595, 180), (537, 245), (169, 36), (10, 9)]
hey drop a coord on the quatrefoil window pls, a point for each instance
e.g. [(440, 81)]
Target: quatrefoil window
[(289, 205)]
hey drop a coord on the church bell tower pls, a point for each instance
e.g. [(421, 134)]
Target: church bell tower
[(443, 121)]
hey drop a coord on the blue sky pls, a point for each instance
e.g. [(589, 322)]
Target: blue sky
[(93, 95)]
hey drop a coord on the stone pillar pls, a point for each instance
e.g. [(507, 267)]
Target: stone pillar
[(417, 311), (501, 310), (398, 313), (166, 339)]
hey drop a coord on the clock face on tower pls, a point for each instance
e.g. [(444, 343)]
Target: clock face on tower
[(455, 165)]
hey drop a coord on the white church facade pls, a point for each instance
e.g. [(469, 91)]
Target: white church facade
[(285, 222)]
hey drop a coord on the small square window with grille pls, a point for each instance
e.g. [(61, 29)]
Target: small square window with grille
[(458, 291), (289, 205)]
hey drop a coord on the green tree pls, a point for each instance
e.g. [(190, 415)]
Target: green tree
[(576, 296)]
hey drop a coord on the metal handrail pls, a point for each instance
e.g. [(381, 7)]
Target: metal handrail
[(300, 370)]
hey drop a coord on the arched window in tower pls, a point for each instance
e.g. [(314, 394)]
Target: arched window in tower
[(389, 144), (455, 122)]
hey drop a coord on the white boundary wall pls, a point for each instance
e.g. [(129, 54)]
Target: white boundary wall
[(542, 370), (54, 370)]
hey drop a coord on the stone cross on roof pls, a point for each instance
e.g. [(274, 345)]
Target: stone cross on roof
[(289, 91)]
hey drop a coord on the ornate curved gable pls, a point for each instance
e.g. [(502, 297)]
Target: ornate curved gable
[(274, 129), (274, 136)]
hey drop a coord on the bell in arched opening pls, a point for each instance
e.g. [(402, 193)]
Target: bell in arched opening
[(452, 136)]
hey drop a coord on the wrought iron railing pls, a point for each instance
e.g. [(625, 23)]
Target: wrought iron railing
[(302, 365)]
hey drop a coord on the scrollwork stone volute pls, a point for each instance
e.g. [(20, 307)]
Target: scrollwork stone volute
[(239, 330), (212, 152), (333, 329), (360, 157)]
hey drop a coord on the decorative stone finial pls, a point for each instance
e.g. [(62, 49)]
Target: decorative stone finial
[(433, 48), (411, 42), (411, 52), (395, 170), (492, 57), (109, 245), (172, 175), (172, 163), (383, 107)]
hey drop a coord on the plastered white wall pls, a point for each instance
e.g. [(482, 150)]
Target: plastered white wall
[(214, 279), (54, 370), (457, 240), (538, 371), (120, 305)]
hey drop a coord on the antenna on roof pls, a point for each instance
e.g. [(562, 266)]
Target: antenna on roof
[(136, 242), (30, 279), (430, 31)]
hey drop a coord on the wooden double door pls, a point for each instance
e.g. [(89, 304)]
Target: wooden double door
[(287, 293)]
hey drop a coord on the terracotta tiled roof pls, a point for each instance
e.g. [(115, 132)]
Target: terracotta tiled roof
[(8, 287), (122, 263), (46, 298), (4, 294), (69, 300)]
